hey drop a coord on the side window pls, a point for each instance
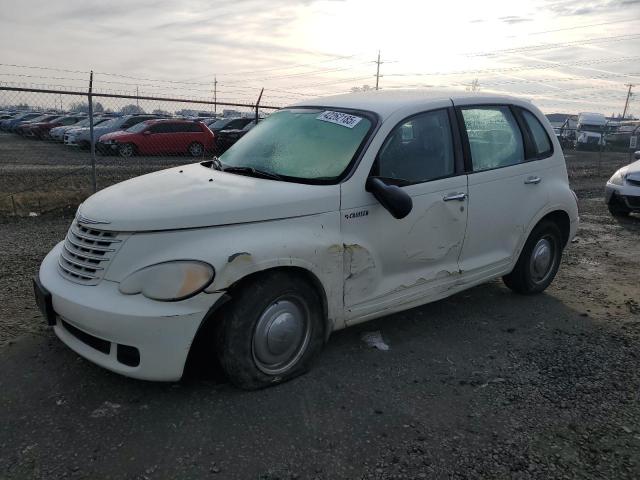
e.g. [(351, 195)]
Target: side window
[(540, 137), (494, 137), (161, 128), (131, 122), (418, 149)]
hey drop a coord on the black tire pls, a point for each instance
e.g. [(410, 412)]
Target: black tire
[(240, 319), (196, 149), (126, 150), (617, 208), (524, 278)]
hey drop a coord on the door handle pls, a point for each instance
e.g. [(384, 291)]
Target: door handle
[(454, 196), (532, 180)]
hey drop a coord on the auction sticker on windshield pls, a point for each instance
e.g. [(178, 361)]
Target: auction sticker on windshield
[(339, 118)]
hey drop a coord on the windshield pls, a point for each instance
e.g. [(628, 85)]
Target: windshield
[(301, 143), (219, 123), (138, 127), (591, 128), (110, 123)]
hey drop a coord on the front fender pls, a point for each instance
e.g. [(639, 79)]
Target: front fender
[(312, 243)]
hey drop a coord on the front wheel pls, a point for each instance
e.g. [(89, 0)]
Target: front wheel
[(126, 150), (539, 260), (617, 208), (270, 331)]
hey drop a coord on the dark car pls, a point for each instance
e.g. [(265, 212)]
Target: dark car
[(41, 129), (9, 124), (154, 137), (224, 139), (236, 123), (21, 127)]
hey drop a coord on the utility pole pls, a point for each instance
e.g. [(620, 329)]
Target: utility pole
[(378, 62), (94, 183), (215, 94), (137, 99), (626, 103)]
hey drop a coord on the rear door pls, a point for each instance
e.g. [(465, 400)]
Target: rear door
[(506, 189)]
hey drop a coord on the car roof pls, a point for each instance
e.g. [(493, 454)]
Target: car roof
[(386, 102), (174, 120)]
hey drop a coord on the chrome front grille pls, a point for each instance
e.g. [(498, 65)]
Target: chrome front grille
[(86, 253)]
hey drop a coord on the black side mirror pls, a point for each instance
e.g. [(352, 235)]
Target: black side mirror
[(636, 155), (393, 198)]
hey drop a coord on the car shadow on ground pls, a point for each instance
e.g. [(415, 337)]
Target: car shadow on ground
[(483, 369)]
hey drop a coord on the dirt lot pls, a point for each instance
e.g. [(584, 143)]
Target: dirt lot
[(485, 384)]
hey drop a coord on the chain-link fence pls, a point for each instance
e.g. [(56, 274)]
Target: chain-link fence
[(57, 147), (54, 151)]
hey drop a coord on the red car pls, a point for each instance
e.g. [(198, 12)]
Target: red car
[(41, 129), (160, 137)]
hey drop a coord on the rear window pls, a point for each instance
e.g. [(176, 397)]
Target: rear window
[(540, 137), (494, 137)]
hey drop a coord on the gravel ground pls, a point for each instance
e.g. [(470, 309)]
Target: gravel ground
[(485, 384)]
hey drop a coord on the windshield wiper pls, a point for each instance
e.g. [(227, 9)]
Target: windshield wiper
[(216, 163), (252, 172)]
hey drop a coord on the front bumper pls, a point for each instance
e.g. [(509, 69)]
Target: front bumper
[(629, 195), (98, 321)]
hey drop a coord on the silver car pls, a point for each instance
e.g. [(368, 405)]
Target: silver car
[(81, 137)]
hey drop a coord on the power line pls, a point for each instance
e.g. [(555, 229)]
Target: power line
[(577, 27), (299, 65), (550, 46)]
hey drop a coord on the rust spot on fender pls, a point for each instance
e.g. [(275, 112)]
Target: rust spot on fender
[(239, 255)]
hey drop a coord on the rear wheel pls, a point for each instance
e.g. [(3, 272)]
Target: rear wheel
[(126, 150), (196, 149), (271, 331), (539, 260)]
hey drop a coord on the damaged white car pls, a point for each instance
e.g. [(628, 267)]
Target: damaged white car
[(325, 215)]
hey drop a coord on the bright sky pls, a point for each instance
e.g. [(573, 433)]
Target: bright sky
[(566, 56)]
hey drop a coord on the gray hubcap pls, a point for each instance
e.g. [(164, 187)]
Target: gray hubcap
[(126, 150), (542, 259), (195, 149), (281, 336)]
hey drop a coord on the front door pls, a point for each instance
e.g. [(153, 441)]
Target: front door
[(391, 264)]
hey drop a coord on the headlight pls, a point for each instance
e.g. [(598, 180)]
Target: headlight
[(169, 281), (618, 177)]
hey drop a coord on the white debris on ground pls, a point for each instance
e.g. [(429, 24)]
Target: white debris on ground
[(374, 340), (107, 409)]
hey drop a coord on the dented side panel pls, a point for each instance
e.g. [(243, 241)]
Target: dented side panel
[(390, 262)]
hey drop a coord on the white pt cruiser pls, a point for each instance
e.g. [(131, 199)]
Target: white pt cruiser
[(327, 214)]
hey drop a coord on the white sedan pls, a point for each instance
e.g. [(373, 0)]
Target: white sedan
[(622, 192)]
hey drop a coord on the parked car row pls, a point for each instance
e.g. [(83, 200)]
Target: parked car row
[(127, 135)]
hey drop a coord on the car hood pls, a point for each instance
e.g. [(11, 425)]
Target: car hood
[(118, 134), (197, 196), (633, 170)]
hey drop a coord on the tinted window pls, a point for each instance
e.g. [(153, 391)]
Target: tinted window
[(419, 149), (186, 127), (494, 137), (138, 127), (236, 124), (540, 137), (163, 128), (133, 121)]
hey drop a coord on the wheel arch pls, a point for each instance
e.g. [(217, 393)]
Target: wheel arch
[(562, 219), (199, 343)]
